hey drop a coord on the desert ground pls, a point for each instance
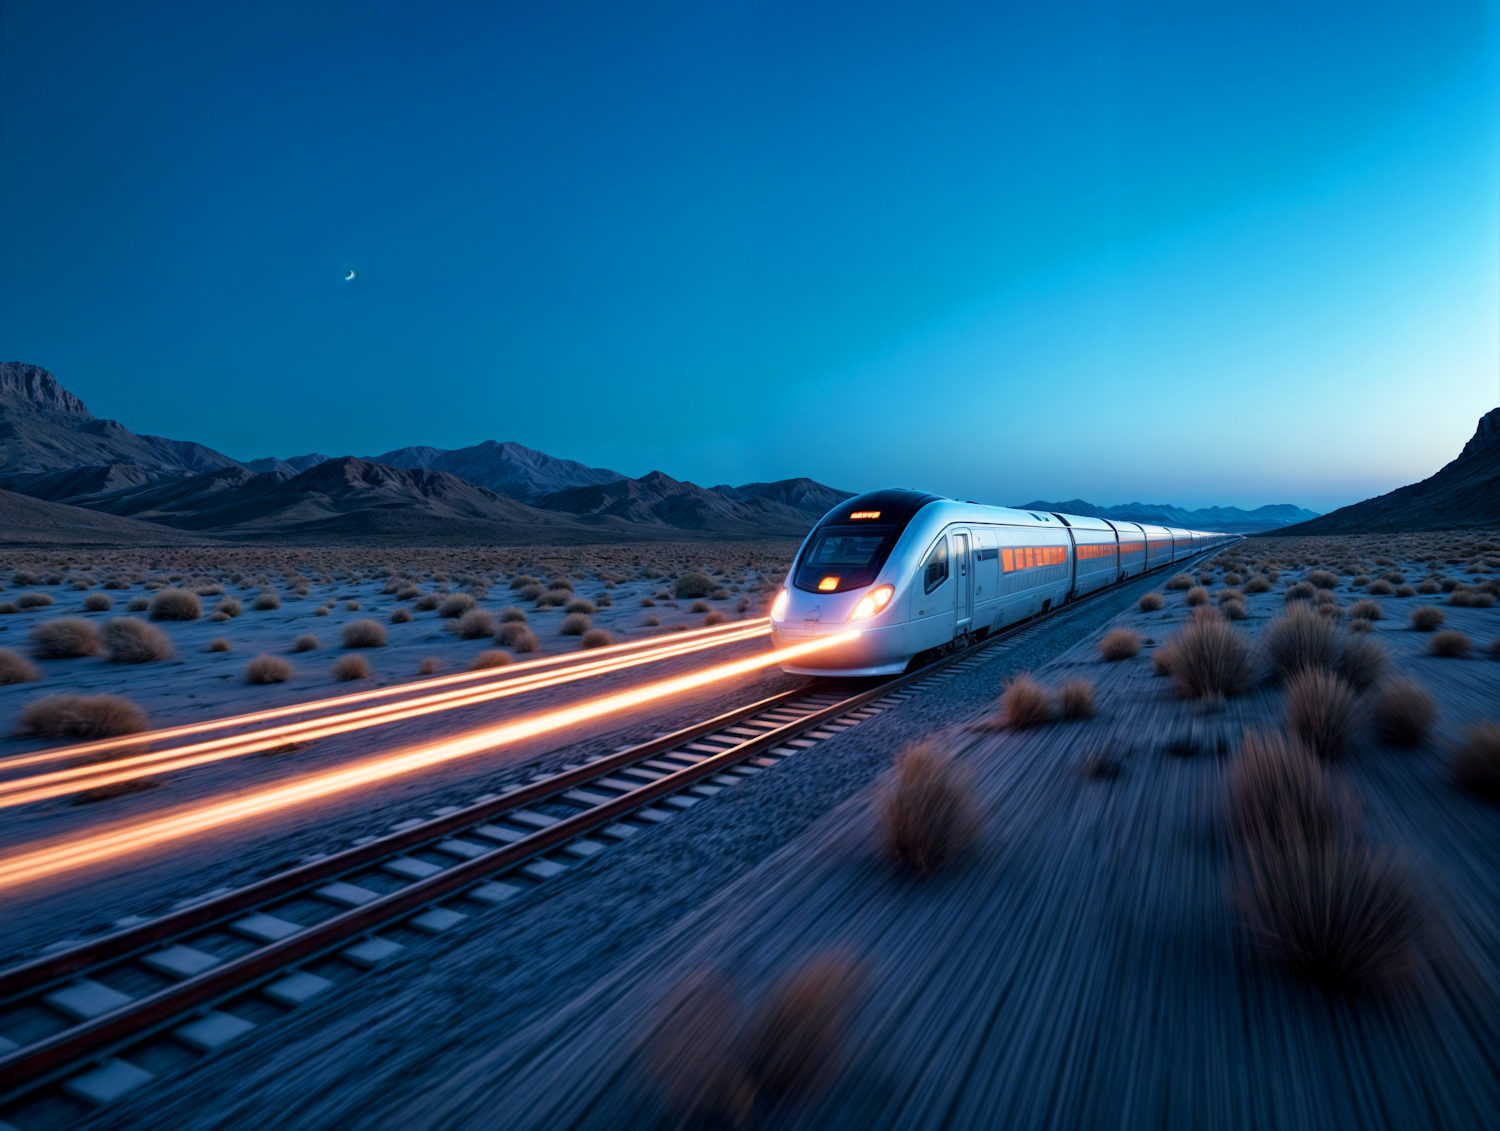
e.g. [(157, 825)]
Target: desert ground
[(1216, 851)]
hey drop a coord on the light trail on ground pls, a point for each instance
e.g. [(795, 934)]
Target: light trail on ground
[(41, 787), (499, 675), (73, 853)]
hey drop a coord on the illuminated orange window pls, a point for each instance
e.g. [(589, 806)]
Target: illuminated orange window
[(1008, 560), (865, 514), (828, 583)]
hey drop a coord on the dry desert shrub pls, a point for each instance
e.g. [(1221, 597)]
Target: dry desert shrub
[(580, 605), (694, 584), (1234, 609), (596, 638), (8, 607), (267, 669), (1429, 587), (1075, 699), (176, 604), (554, 597), (98, 603), (517, 636), (64, 638), (1278, 792), (320, 611), (455, 605), (1023, 704), (1322, 579), (401, 616), (1119, 644), (796, 1038), (1366, 609), (353, 606), (1180, 581), (1301, 591), (81, 716), (512, 615), (491, 658), (427, 602), (306, 643), (1321, 710), (1381, 588), (1405, 591), (429, 665), (1151, 602), (574, 624), (16, 668), (228, 607), (138, 605), (1208, 658), (521, 580), (1257, 585), (352, 667), (363, 634), (218, 644), (1196, 596), (33, 601), (1301, 639), (526, 593), (475, 625), (1363, 662), (130, 640), (1341, 914), (1449, 643), (714, 617), (265, 601), (1403, 713), (700, 607), (651, 621), (1425, 618), (925, 810), (1232, 578), (1476, 761)]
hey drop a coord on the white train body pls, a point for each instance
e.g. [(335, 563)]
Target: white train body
[(917, 573)]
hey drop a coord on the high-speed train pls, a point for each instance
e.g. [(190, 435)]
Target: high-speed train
[(917, 573)]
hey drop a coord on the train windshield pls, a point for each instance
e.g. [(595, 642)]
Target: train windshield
[(839, 558)]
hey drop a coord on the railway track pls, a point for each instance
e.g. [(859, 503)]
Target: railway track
[(88, 1024)]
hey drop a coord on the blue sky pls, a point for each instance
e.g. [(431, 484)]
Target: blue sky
[(1196, 253)]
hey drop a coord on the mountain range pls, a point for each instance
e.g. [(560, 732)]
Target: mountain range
[(1464, 493), (1232, 520), (54, 451), (120, 486)]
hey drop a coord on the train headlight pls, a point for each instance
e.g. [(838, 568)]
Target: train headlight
[(872, 602), (778, 607)]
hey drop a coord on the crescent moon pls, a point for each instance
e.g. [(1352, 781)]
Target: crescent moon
[(349, 278)]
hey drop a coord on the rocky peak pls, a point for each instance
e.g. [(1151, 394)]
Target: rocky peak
[(31, 386), (1486, 436)]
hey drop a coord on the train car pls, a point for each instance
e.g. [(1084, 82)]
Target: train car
[(916, 573), (1132, 539)]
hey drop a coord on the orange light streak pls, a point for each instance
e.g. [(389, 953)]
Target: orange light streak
[(41, 787), (501, 675), (69, 854)]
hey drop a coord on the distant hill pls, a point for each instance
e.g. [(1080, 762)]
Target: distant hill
[(659, 500), (805, 495), (1462, 494), (1230, 520), (507, 468), (27, 521), (44, 429), (292, 466)]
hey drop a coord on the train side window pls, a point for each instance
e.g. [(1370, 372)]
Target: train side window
[(935, 572)]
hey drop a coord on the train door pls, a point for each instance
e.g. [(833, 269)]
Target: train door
[(963, 598)]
